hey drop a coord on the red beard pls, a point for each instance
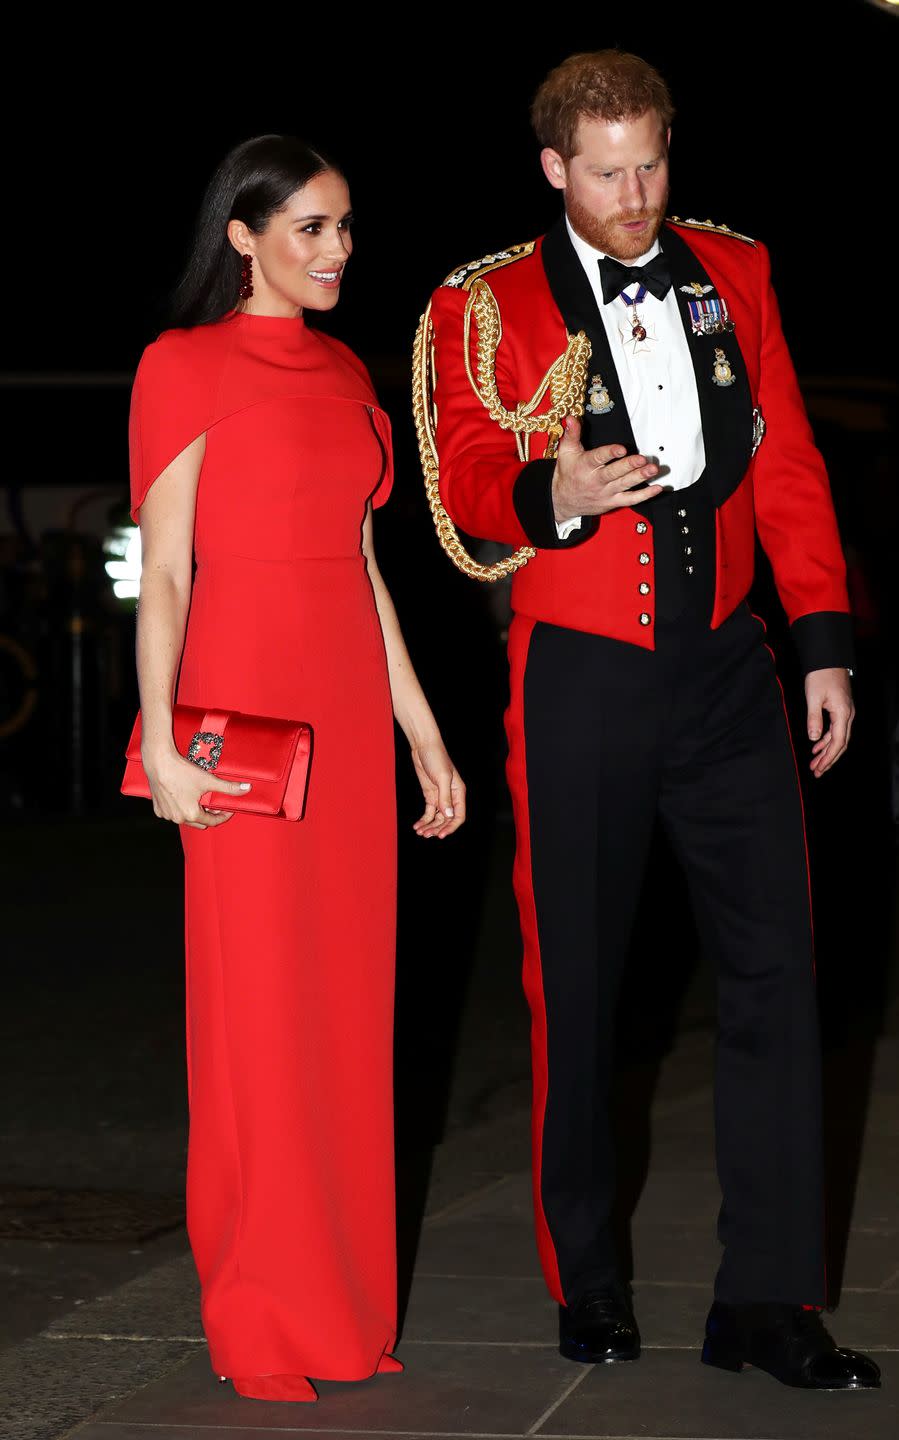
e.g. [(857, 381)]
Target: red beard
[(606, 236)]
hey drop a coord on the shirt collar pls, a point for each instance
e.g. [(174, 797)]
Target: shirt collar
[(588, 255)]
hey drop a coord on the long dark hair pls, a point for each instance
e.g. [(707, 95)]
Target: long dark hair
[(253, 182)]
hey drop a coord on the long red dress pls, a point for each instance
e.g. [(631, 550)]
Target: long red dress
[(290, 926)]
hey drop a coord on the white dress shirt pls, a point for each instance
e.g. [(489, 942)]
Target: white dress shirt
[(657, 377)]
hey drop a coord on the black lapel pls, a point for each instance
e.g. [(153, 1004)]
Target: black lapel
[(574, 296), (726, 410)]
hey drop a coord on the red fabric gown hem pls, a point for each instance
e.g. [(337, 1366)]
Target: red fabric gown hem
[(385, 1363)]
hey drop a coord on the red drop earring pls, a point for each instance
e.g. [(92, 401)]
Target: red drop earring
[(246, 277)]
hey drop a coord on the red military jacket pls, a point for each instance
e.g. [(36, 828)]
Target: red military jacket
[(596, 580)]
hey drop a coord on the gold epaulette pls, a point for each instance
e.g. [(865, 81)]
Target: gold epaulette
[(710, 225), (464, 278)]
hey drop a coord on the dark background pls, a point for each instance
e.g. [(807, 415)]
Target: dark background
[(785, 130)]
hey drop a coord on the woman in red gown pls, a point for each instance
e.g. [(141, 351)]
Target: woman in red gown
[(258, 453)]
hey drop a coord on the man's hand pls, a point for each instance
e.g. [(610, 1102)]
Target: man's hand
[(590, 482), (830, 691)]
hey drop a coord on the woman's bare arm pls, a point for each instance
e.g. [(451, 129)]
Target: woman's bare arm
[(167, 527), (442, 786)]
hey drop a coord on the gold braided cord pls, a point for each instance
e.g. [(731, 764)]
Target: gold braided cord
[(425, 426), (566, 380)]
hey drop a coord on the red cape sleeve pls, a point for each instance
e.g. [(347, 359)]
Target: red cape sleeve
[(380, 418), (385, 484), (171, 405)]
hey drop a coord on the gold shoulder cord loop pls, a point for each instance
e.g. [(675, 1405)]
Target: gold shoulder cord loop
[(566, 380), (425, 416)]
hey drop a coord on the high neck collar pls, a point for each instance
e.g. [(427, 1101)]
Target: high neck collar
[(286, 325)]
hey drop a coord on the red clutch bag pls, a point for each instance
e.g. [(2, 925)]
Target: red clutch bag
[(273, 755)]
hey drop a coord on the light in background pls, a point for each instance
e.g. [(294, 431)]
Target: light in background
[(123, 567)]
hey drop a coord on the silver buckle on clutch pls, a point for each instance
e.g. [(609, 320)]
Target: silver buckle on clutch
[(205, 740)]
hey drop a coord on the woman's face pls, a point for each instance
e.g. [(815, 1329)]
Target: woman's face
[(298, 259)]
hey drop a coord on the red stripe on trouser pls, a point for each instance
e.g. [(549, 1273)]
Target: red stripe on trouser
[(532, 973), (808, 872)]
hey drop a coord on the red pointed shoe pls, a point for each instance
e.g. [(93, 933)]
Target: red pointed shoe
[(274, 1387), (389, 1365)]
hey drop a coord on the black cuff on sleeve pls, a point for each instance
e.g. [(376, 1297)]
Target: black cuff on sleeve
[(532, 498), (824, 639)]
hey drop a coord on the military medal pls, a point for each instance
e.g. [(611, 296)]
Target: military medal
[(721, 371), (639, 334), (709, 317), (598, 402)]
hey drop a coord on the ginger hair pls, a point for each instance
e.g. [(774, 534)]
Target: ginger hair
[(608, 85)]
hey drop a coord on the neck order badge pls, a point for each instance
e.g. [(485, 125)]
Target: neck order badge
[(639, 336)]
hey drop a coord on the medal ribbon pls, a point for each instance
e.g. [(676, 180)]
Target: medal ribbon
[(638, 298), (637, 329), (708, 316)]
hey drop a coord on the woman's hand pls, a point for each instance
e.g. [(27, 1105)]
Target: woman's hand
[(441, 786), (443, 789), (176, 786)]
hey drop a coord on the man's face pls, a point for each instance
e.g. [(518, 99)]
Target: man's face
[(615, 184)]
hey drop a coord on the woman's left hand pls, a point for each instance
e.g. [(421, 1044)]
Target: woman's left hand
[(443, 789)]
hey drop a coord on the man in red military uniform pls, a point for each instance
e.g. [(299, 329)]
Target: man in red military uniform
[(641, 686)]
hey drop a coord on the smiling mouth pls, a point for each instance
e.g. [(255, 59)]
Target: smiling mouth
[(325, 277)]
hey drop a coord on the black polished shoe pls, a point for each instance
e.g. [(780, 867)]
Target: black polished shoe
[(599, 1329), (789, 1342)]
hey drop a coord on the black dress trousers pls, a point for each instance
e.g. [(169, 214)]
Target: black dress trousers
[(693, 732)]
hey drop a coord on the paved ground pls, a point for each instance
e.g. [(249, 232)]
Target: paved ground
[(101, 1340), (478, 1333)]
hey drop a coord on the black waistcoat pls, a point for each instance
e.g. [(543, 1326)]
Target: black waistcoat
[(683, 521)]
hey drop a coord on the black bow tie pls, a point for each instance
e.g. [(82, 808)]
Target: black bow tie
[(655, 275)]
